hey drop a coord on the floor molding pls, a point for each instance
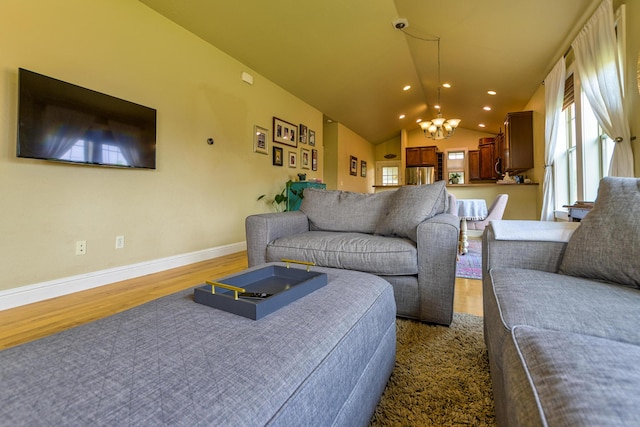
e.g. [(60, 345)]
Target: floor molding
[(23, 295)]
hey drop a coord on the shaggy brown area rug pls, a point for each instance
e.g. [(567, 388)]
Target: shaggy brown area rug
[(441, 377)]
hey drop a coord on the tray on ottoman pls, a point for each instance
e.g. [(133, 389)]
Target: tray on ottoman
[(256, 293)]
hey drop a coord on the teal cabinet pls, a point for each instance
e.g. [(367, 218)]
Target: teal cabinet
[(295, 189)]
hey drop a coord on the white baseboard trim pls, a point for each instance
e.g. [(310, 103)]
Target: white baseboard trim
[(22, 295)]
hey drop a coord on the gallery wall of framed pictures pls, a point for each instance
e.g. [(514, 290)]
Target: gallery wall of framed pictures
[(285, 137)]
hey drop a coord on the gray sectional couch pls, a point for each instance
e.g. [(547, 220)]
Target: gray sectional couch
[(562, 315), (408, 236)]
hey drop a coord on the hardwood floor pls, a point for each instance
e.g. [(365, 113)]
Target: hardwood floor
[(26, 323)]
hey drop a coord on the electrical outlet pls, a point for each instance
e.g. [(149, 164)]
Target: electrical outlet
[(119, 242), (81, 247)]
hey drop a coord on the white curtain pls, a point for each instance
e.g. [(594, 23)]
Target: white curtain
[(553, 98), (596, 54)]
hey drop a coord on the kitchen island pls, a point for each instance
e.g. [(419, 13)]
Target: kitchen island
[(523, 198)]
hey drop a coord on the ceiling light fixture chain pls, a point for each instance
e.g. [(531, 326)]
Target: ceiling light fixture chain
[(439, 128)]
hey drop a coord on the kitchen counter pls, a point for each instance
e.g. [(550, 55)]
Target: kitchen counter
[(524, 199)]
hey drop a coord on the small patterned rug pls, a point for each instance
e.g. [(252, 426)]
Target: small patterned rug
[(470, 265)]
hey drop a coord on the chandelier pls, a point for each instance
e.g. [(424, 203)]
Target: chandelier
[(439, 127)]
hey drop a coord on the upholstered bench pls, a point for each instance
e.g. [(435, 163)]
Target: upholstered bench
[(321, 360)]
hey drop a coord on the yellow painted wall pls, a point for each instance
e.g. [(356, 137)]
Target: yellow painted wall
[(461, 139), (523, 199), (341, 143), (388, 147), (331, 177), (198, 196)]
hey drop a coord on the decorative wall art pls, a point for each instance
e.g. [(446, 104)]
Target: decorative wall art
[(305, 155), (353, 166), (302, 134), (277, 156), (312, 138), (363, 168), (314, 159), (284, 132), (260, 140), (293, 159)]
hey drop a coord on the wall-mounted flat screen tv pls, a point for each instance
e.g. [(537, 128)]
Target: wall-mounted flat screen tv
[(63, 122)]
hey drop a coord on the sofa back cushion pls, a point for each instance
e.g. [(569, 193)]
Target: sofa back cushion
[(335, 210), (411, 205), (606, 245)]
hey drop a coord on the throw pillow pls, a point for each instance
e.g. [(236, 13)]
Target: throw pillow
[(411, 205), (335, 210), (606, 245)]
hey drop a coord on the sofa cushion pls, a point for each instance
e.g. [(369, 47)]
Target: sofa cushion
[(559, 378), (555, 301), (350, 251), (344, 210), (605, 245), (410, 206)]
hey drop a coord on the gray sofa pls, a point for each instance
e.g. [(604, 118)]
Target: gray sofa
[(408, 236), (562, 315)]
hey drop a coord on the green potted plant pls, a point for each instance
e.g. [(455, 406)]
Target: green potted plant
[(454, 178), (279, 201)]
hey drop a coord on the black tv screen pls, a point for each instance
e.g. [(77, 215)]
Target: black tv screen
[(67, 123)]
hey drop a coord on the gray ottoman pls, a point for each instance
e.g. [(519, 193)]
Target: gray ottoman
[(322, 360)]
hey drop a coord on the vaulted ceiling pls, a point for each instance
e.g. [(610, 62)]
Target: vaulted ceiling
[(345, 58)]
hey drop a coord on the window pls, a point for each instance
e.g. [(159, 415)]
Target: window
[(456, 166), (388, 173), (583, 152)]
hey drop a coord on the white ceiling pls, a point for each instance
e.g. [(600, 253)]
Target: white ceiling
[(345, 58)]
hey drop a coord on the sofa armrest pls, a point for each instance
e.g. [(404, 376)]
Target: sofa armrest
[(537, 245), (437, 251), (261, 229)]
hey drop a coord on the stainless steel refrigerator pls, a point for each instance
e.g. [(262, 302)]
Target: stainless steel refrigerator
[(419, 175)]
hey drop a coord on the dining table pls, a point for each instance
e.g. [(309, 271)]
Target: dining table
[(469, 210)]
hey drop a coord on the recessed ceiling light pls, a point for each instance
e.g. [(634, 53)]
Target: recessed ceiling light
[(402, 116), (481, 125), (407, 87), (418, 121), (447, 85), (491, 92), (486, 108), (437, 107)]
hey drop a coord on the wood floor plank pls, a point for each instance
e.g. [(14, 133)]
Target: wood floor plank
[(30, 322)]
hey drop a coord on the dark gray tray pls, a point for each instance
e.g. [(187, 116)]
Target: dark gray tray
[(285, 285)]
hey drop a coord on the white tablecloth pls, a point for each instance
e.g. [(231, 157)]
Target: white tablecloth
[(472, 209)]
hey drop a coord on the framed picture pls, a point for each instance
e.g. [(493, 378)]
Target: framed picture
[(314, 159), (284, 132), (277, 156), (305, 155), (293, 159), (302, 134), (353, 166), (260, 140), (312, 138), (363, 168)]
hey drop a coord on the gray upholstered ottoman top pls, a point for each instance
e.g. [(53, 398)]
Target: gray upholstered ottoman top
[(175, 362)]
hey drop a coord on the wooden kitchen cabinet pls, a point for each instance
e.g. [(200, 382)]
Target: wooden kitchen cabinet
[(482, 161), (517, 155), (487, 161), (474, 165), (422, 156)]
